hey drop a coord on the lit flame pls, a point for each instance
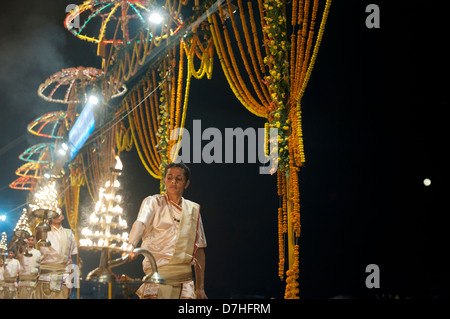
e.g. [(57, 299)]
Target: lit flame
[(119, 164)]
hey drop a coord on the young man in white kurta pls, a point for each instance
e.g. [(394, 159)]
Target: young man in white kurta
[(11, 276), (172, 230), (29, 271), (53, 279)]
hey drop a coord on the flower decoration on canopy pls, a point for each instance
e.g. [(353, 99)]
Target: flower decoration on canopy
[(39, 153), (106, 223), (58, 87), (32, 169), (48, 124), (118, 20), (24, 183)]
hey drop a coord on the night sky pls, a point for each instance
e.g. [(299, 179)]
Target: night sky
[(373, 121)]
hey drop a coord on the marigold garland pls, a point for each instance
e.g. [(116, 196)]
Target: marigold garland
[(278, 46), (280, 244), (231, 70), (285, 69), (292, 284), (124, 141), (163, 124)]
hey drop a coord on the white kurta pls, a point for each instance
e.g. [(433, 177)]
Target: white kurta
[(29, 268), (157, 213), (11, 273), (63, 246)]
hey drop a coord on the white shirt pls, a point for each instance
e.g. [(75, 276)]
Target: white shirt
[(12, 270), (29, 266)]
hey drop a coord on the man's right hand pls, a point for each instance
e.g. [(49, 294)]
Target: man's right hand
[(132, 256), (130, 252)]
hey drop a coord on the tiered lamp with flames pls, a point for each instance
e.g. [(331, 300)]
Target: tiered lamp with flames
[(106, 229), (45, 206)]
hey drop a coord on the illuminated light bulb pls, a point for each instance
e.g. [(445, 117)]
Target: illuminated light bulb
[(116, 183), (93, 99), (427, 182), (155, 17)]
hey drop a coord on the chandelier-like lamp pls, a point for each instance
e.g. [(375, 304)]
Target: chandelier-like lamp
[(3, 247), (45, 206), (22, 231), (106, 232)]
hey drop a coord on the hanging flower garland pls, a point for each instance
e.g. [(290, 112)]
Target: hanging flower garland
[(283, 65), (163, 120), (292, 284), (278, 79)]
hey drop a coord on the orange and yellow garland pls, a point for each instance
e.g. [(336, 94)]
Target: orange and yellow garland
[(277, 75)]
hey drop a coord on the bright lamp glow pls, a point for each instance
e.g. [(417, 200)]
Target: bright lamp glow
[(63, 149), (93, 99), (155, 17), (427, 182), (2, 218)]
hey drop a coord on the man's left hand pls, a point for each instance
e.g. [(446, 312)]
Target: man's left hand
[(200, 294)]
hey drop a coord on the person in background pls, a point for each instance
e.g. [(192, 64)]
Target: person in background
[(54, 280), (11, 276), (29, 270)]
